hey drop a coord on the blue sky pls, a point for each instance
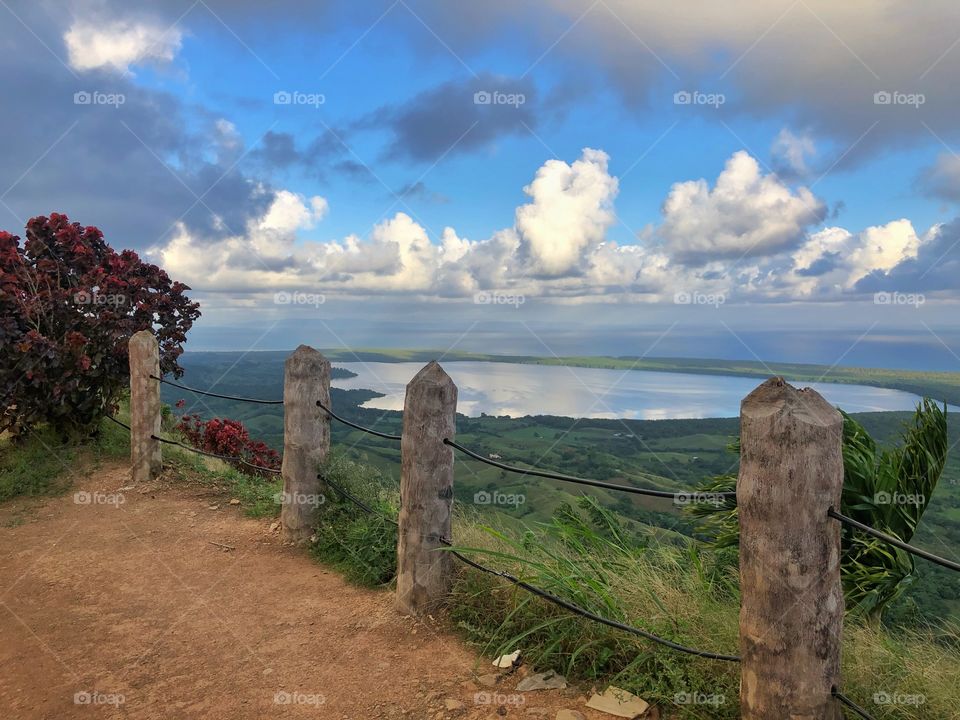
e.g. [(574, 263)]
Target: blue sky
[(639, 165)]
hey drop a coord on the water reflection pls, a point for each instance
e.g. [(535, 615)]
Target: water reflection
[(517, 390)]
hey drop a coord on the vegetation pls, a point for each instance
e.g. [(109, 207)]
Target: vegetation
[(229, 438), (586, 555), (886, 489), (68, 305)]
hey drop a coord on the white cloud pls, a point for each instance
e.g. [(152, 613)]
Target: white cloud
[(570, 213), (746, 214), (118, 45), (558, 247)]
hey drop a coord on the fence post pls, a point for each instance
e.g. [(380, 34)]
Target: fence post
[(306, 440), (791, 609), (143, 354), (424, 574)]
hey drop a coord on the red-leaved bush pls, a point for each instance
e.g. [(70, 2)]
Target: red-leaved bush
[(68, 305), (229, 437)]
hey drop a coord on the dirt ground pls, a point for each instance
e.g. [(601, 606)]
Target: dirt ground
[(128, 609)]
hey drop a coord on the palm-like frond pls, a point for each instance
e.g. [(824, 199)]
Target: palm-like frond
[(887, 489)]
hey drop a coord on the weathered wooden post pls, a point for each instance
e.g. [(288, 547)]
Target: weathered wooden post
[(791, 611), (424, 574), (306, 441), (143, 354)]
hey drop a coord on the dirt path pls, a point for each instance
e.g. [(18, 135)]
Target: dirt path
[(104, 602)]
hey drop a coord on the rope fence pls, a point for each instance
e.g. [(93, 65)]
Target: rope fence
[(216, 395), (814, 465), (369, 431), (844, 700), (539, 592), (584, 481)]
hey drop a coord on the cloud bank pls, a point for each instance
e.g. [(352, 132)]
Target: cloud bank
[(746, 235)]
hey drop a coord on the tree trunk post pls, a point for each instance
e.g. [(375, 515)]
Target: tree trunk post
[(143, 354), (306, 441), (424, 573), (791, 609)]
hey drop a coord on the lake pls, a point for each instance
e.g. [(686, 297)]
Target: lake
[(516, 390)]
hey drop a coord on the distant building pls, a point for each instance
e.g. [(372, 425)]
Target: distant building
[(494, 456)]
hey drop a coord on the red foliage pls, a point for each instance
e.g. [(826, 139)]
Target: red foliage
[(68, 305), (228, 437)]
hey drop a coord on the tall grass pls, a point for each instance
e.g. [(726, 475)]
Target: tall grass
[(688, 595), (363, 546)]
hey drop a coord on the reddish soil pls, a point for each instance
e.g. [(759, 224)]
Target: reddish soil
[(129, 611)]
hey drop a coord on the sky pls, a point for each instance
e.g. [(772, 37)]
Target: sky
[(772, 180)]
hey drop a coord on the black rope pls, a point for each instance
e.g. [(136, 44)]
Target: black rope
[(113, 419), (543, 593), (362, 505), (332, 414), (943, 562), (589, 615), (227, 458), (217, 395), (851, 704), (586, 481)]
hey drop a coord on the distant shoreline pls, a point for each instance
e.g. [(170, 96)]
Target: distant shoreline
[(941, 386)]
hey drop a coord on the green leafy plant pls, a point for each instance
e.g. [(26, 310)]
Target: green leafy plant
[(363, 546), (887, 489)]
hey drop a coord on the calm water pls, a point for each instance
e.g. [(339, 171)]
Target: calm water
[(517, 390)]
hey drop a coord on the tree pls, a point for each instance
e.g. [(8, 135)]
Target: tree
[(68, 305)]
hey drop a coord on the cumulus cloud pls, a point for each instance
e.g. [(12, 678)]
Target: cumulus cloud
[(745, 214), (558, 247), (120, 44), (571, 210)]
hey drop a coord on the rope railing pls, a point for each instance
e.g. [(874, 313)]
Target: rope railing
[(943, 562), (844, 700), (114, 420), (216, 395), (367, 430), (549, 597), (587, 481)]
